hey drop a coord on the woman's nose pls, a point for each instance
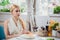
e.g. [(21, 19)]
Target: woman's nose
[(18, 14)]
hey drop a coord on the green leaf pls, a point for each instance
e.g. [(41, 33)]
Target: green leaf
[(57, 10), (4, 2), (4, 10), (54, 26)]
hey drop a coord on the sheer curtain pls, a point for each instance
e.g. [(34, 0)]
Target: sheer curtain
[(36, 7), (30, 14), (31, 9)]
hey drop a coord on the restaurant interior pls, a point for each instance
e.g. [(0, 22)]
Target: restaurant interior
[(41, 18)]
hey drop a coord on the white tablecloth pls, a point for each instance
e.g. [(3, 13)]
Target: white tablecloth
[(36, 38)]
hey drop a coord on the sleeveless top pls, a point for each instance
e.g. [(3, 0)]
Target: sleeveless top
[(13, 29)]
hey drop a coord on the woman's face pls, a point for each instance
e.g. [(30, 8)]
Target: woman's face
[(16, 12)]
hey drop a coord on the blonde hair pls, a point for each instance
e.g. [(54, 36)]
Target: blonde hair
[(13, 7)]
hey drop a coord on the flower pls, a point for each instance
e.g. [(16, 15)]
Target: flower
[(53, 24)]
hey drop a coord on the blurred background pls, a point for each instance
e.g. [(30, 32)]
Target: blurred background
[(34, 12)]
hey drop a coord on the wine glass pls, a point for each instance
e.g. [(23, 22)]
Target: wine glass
[(35, 29)]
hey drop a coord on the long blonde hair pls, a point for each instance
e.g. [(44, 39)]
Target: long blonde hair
[(21, 21), (13, 7)]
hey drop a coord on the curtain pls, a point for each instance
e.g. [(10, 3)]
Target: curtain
[(31, 9)]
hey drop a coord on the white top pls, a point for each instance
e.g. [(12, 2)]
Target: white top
[(12, 26)]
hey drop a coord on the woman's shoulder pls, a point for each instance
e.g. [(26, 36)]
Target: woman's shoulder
[(6, 21)]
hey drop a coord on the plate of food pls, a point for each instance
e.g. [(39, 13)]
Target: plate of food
[(28, 36)]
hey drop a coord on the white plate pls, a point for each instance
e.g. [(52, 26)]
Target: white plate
[(27, 36)]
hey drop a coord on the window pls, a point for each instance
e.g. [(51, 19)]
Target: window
[(46, 6), (4, 5), (22, 4), (43, 7), (51, 5)]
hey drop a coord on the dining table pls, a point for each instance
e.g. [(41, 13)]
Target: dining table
[(36, 37)]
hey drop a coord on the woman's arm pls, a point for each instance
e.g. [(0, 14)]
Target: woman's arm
[(7, 32), (23, 23), (25, 31)]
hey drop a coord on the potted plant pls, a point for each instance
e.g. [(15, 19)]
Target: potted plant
[(54, 26), (54, 31), (4, 10), (57, 10), (3, 3)]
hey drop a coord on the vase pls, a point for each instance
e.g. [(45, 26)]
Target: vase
[(54, 32)]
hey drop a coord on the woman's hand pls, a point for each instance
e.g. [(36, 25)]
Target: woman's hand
[(16, 35), (26, 32)]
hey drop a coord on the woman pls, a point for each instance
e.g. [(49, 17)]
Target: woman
[(14, 26)]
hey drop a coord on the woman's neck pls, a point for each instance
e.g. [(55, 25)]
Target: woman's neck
[(15, 19)]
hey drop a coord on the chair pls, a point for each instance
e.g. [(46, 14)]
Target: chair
[(2, 34)]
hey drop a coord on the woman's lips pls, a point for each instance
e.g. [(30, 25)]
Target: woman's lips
[(18, 15)]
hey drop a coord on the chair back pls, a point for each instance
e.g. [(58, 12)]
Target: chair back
[(2, 34)]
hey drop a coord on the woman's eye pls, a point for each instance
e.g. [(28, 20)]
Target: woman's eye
[(17, 10)]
